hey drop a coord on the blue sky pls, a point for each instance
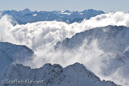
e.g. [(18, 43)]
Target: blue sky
[(48, 5)]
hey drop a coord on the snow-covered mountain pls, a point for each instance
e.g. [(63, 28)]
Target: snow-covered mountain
[(115, 35), (107, 46), (52, 75), (10, 53), (27, 16)]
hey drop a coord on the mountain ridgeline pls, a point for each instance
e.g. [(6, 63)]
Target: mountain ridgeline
[(52, 75)]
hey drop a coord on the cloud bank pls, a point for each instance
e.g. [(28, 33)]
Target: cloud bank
[(39, 34)]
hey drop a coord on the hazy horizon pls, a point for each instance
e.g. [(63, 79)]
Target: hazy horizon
[(78, 5)]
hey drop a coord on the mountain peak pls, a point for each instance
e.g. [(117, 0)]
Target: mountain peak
[(67, 11), (26, 10)]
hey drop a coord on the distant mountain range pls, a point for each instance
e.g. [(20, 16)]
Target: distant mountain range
[(27, 16)]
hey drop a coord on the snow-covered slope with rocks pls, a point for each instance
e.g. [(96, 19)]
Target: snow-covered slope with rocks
[(107, 47), (54, 75), (27, 16), (10, 53)]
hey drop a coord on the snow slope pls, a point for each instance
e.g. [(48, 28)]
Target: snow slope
[(27, 16), (54, 75), (106, 48), (10, 53)]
